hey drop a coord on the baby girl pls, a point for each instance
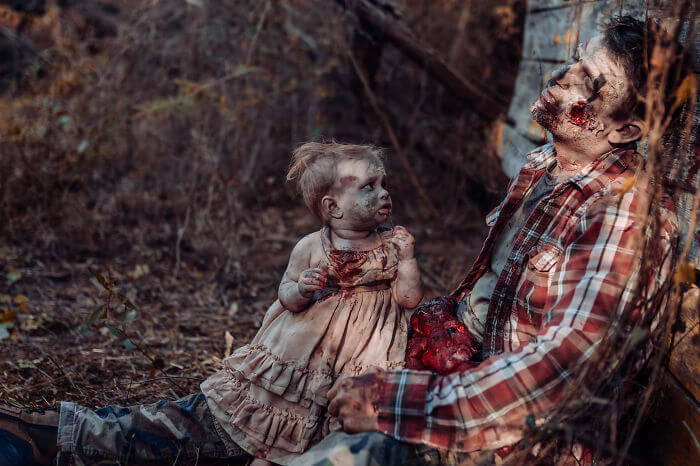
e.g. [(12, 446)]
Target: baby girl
[(339, 311)]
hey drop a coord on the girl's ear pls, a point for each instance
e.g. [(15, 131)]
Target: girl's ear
[(331, 208)]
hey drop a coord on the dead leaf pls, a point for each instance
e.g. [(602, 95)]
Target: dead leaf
[(627, 186), (7, 316), (685, 273), (99, 278), (21, 302)]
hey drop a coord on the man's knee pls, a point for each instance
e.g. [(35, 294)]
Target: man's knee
[(365, 449)]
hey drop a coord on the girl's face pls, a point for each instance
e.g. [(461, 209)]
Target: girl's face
[(360, 195)]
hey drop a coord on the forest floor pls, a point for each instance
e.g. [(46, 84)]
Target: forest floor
[(56, 347)]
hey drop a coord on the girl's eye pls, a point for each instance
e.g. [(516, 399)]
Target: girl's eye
[(368, 186)]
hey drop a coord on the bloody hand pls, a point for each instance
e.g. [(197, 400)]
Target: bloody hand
[(404, 243), (311, 280)]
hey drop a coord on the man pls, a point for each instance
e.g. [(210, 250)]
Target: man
[(549, 281), (553, 275)]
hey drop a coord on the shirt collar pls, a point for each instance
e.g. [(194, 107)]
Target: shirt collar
[(593, 176)]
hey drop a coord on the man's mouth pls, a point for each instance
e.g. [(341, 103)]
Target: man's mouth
[(548, 101)]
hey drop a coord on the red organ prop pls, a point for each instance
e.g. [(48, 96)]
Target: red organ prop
[(438, 341)]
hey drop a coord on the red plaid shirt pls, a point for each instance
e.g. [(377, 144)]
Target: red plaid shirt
[(566, 278)]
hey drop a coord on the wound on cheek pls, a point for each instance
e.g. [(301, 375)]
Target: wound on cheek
[(578, 114)]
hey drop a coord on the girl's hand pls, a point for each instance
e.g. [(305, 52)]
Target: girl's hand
[(404, 243), (311, 280)]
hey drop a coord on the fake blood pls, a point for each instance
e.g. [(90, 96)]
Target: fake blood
[(578, 114), (346, 264)]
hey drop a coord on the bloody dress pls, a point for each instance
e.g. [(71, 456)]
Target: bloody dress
[(270, 397)]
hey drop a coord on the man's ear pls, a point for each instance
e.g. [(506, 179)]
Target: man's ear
[(630, 131), (331, 208)]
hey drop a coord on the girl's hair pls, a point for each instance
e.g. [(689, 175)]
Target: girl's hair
[(313, 168)]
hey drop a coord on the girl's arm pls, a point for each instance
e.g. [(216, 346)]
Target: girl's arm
[(300, 280), (408, 289)]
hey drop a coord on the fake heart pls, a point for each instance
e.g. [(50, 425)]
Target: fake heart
[(439, 342)]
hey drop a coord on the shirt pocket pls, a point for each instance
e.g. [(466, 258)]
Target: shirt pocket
[(543, 257)]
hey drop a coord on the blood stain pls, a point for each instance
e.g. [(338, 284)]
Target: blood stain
[(578, 114)]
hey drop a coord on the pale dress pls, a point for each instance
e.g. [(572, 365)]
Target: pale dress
[(270, 397)]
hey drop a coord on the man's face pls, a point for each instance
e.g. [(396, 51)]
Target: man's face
[(579, 101)]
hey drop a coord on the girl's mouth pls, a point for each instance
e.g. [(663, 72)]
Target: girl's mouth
[(385, 209)]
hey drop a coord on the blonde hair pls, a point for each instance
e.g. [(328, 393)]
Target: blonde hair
[(313, 168)]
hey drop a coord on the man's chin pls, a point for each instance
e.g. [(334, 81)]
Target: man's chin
[(544, 118)]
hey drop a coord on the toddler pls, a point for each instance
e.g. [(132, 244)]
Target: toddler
[(339, 311)]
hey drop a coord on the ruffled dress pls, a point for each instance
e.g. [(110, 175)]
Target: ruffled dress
[(270, 396)]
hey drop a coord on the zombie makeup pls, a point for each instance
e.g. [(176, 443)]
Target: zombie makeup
[(361, 194), (579, 103)]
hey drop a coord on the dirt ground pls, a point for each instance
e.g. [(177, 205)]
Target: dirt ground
[(178, 327)]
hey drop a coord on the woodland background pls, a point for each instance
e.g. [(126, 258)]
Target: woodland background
[(144, 145)]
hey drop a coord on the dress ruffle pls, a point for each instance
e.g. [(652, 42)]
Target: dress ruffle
[(297, 384), (258, 365), (255, 426)]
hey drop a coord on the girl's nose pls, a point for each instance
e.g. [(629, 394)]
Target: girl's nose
[(384, 194)]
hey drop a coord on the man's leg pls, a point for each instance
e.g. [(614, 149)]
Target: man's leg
[(184, 430), (377, 449), (365, 449), (166, 430)]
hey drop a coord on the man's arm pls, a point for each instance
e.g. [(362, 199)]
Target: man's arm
[(488, 406)]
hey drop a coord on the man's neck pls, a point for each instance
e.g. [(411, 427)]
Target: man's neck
[(571, 160)]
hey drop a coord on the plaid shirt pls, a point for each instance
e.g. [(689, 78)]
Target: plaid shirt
[(566, 278)]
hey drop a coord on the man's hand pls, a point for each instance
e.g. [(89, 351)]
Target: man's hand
[(311, 280), (404, 243), (354, 402)]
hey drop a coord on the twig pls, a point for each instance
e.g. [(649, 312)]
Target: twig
[(258, 28), (481, 100), (394, 141)]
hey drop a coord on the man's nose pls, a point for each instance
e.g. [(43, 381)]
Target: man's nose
[(558, 75)]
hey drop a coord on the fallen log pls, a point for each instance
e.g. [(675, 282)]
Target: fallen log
[(482, 101)]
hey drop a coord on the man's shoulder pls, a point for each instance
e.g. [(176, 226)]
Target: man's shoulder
[(625, 203), (541, 156)]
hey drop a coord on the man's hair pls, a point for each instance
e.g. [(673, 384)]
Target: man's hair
[(314, 165), (632, 42)]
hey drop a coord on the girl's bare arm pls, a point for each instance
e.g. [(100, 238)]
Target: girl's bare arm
[(300, 280), (408, 288)]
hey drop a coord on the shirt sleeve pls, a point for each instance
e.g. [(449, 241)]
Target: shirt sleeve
[(489, 406)]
